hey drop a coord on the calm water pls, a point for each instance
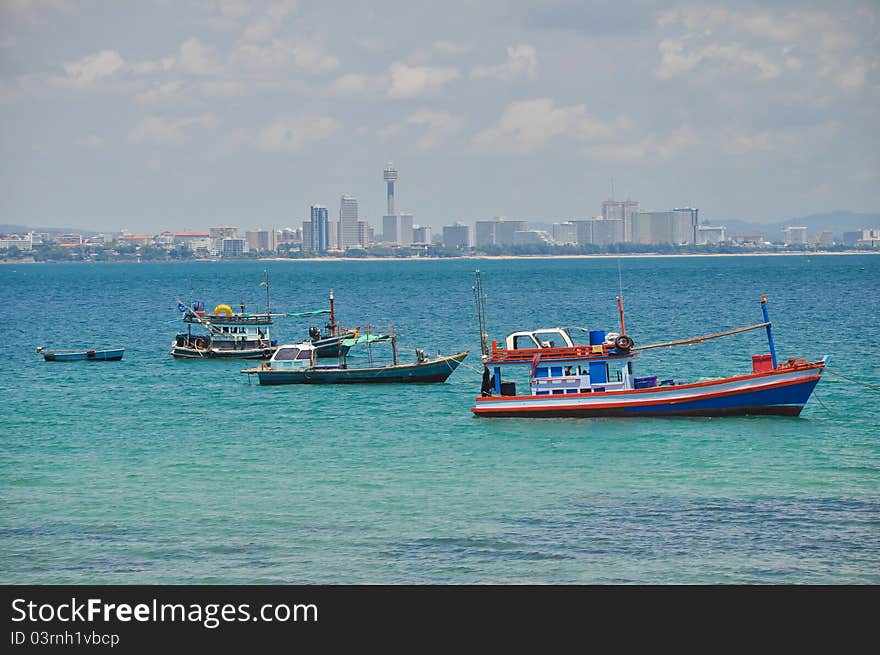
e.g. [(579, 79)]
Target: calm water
[(153, 470)]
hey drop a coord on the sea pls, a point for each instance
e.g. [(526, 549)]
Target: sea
[(156, 470)]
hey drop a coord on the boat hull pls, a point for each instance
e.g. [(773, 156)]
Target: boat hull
[(437, 370), (782, 392), (182, 352), (86, 355)]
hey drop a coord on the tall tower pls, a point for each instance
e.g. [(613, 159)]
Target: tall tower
[(390, 179)]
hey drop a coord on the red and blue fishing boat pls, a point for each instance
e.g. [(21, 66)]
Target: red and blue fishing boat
[(598, 379)]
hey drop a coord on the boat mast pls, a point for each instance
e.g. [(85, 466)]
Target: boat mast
[(393, 345), (769, 330), (267, 290), (480, 299), (332, 324)]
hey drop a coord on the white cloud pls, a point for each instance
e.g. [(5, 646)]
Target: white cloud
[(676, 59), (282, 55), (530, 125), (158, 129), (293, 133), (522, 61), (160, 93), (92, 69), (414, 81), (196, 58), (358, 84), (438, 125)]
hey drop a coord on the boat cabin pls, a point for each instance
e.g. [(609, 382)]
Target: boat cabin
[(557, 366), (293, 357)]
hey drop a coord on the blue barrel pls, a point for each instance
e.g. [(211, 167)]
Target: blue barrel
[(597, 337)]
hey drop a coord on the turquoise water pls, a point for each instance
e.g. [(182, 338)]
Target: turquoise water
[(153, 470)]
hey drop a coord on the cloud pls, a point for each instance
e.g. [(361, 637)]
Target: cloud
[(293, 133), (158, 129), (359, 84), (279, 55), (92, 69), (438, 125), (522, 61), (530, 125), (415, 81), (451, 47), (196, 58), (160, 93)]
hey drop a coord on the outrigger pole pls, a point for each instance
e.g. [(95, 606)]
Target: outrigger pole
[(769, 330)]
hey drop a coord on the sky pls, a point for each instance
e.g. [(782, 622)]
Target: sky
[(164, 114)]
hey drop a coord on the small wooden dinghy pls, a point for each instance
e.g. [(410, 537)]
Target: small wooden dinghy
[(113, 355)]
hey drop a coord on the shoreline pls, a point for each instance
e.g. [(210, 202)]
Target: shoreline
[(469, 257)]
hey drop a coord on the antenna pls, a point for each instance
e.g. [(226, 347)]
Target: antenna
[(480, 299)]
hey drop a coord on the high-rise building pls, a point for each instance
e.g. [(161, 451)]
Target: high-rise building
[(623, 210), (348, 222), (505, 231), (406, 229), (607, 231), (391, 228), (686, 221), (422, 234), (364, 238), (260, 240), (456, 236), (319, 229), (484, 233), (307, 236), (390, 176), (231, 247), (583, 230), (565, 233), (794, 236)]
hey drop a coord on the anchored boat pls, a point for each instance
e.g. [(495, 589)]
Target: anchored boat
[(113, 355), (298, 364), (598, 379)]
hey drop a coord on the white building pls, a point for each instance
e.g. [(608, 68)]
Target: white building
[(457, 236), (710, 234), (348, 223), (794, 236)]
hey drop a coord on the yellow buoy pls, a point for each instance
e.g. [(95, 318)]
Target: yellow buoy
[(225, 309)]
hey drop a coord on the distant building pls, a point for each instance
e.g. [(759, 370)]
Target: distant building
[(457, 236), (193, 239), (794, 236), (421, 234), (530, 238), (710, 234), (607, 231), (260, 240), (134, 239), (505, 231), (565, 233), (69, 239), (748, 239), (307, 243), (365, 238), (232, 247), (851, 238), (484, 233), (406, 229), (391, 228), (319, 230), (824, 238), (348, 222), (686, 220), (622, 210), (22, 242)]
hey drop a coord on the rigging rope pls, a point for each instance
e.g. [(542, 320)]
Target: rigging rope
[(684, 342), (864, 384)]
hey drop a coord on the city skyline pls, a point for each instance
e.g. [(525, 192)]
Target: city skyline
[(194, 114)]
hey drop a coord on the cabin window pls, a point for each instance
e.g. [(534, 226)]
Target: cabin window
[(552, 339), (541, 372), (556, 371), (287, 354), (523, 341), (304, 354)]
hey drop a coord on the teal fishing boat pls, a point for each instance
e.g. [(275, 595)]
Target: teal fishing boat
[(298, 364)]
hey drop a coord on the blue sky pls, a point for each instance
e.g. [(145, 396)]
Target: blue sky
[(161, 114)]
